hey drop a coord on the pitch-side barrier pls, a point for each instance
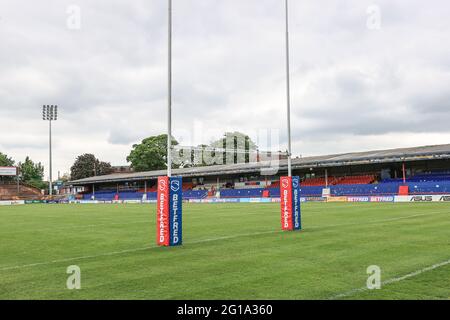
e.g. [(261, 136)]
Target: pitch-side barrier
[(360, 199)]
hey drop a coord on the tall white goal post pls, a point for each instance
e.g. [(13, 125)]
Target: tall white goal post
[(170, 189)]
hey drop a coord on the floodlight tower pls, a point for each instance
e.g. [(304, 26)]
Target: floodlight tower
[(50, 113)]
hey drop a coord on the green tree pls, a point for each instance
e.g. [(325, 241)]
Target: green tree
[(87, 165), (32, 173), (5, 161), (238, 143), (150, 154), (65, 177), (103, 168)]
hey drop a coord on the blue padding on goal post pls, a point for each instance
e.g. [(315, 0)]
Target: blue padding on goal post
[(296, 209), (176, 211)]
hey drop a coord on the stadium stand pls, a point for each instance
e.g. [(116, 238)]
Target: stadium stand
[(320, 181), (380, 172), (380, 189)]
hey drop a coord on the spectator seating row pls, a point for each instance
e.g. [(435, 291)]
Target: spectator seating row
[(242, 193), (275, 184), (188, 186), (332, 181), (366, 179), (382, 189), (111, 195), (425, 177), (195, 194), (312, 182)]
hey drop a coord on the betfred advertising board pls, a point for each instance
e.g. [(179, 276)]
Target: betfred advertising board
[(382, 199), (358, 199)]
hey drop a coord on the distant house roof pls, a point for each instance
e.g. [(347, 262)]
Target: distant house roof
[(265, 168)]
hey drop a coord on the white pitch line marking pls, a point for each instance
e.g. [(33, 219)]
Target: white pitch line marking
[(393, 280)]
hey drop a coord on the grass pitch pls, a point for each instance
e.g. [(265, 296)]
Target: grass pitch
[(231, 251)]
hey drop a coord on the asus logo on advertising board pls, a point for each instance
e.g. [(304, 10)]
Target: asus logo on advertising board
[(445, 199), (422, 199)]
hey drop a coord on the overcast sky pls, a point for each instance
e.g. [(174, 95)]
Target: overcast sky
[(365, 74)]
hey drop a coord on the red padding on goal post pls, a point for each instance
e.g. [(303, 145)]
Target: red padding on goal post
[(286, 204), (162, 225)]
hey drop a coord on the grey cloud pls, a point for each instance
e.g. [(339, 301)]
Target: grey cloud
[(110, 77)]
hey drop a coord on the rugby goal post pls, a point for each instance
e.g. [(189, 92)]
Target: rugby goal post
[(289, 185), (170, 189)]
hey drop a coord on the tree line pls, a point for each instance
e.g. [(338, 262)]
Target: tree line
[(151, 154), (30, 173), (148, 155)]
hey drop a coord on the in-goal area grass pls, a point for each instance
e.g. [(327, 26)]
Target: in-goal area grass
[(230, 251)]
